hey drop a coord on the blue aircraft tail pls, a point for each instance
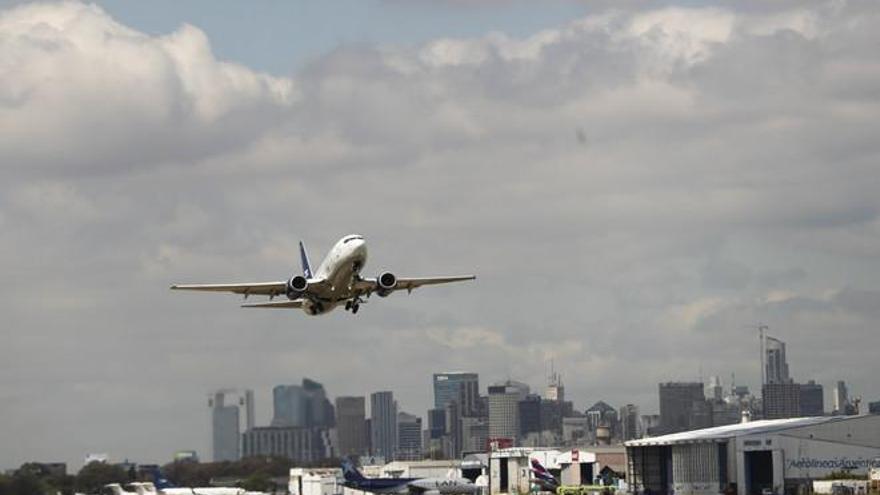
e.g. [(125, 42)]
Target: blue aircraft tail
[(160, 482), (351, 473), (304, 258)]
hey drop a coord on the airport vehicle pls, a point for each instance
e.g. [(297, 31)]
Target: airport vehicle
[(543, 479), (416, 486), (337, 280)]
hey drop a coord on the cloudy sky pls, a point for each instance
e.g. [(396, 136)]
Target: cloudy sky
[(636, 185)]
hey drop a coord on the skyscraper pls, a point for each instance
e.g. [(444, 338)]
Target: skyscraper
[(681, 406), (841, 398), (530, 415), (781, 400), (249, 407), (555, 388), (304, 405), (452, 432), (812, 399), (290, 406), (629, 422), (436, 423), (351, 426), (383, 424), (775, 361), (409, 437), (716, 390), (504, 400), (226, 422), (462, 387), (474, 433), (320, 413)]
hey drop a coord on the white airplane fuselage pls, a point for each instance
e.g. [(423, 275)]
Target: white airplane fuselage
[(445, 486), (342, 264)]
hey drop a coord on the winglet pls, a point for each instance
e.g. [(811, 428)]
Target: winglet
[(304, 257)]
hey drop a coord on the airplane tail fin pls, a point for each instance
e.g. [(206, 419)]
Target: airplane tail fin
[(160, 482), (541, 472), (350, 472), (304, 258)]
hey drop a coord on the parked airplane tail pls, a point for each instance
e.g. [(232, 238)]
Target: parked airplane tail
[(304, 258), (542, 474), (161, 482), (351, 473)]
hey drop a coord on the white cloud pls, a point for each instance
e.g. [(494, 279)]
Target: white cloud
[(84, 92)]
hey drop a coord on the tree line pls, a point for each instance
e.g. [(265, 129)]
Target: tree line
[(253, 474)]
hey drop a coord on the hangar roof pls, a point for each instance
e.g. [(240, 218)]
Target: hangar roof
[(719, 433)]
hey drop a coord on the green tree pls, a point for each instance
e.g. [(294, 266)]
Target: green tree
[(25, 482), (95, 475), (258, 482), (5, 485)]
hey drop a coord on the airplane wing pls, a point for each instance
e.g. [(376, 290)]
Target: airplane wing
[(255, 288), (296, 303), (370, 284)]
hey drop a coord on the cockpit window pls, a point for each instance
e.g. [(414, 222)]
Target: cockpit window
[(351, 238)]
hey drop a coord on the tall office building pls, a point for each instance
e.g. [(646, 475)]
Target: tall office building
[(776, 365), (290, 406), (781, 400), (812, 399), (649, 425), (409, 437), (351, 426), (436, 423), (321, 412), (530, 415), (383, 424), (226, 422), (555, 388), (504, 400), (461, 387), (716, 390), (304, 406), (841, 398), (452, 432), (249, 409), (474, 434), (682, 406), (552, 412), (629, 422)]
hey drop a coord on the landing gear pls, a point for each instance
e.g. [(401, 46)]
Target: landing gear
[(353, 305)]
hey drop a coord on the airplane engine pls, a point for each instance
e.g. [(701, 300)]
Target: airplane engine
[(386, 282), (296, 286)]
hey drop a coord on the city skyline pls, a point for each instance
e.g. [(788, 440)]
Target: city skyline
[(636, 185)]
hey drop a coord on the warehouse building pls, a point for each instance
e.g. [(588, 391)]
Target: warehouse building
[(779, 456)]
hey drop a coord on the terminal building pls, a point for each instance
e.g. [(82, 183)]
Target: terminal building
[(779, 456)]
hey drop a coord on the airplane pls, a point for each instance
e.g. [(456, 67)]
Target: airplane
[(543, 478), (337, 280), (164, 487), (398, 486)]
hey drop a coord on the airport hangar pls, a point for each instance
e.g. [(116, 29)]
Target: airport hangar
[(779, 455)]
